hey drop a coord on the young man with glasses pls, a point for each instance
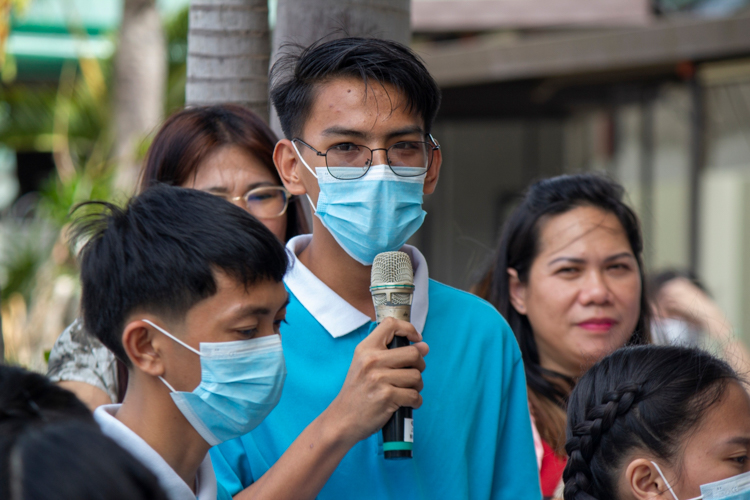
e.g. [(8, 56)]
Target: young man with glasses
[(357, 114)]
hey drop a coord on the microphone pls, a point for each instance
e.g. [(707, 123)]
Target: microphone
[(392, 289)]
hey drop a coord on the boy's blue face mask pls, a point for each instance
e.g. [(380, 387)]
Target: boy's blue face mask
[(241, 383), (373, 214)]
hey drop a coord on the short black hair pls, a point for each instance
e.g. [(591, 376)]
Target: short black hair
[(295, 75), (159, 255), (28, 401), (73, 461), (26, 397), (658, 280)]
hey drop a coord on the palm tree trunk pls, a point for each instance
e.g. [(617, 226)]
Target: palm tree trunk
[(140, 79), (304, 22), (228, 53)]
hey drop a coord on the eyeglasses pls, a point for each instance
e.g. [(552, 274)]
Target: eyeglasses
[(265, 202), (351, 161)]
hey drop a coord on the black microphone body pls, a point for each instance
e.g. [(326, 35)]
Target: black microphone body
[(392, 287), (398, 432)]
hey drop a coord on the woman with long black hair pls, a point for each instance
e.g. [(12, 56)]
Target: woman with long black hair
[(568, 278)]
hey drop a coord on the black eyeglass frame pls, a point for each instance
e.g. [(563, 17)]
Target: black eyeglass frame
[(432, 144)]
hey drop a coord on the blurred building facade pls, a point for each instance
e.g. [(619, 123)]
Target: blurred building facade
[(655, 94)]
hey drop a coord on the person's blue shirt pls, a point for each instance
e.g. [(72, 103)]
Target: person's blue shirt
[(222, 493), (472, 435)]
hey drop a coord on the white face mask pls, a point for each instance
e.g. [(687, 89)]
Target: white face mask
[(677, 331), (732, 488)]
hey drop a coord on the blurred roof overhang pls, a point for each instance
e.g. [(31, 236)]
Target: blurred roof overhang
[(547, 74), (430, 16), (498, 58)]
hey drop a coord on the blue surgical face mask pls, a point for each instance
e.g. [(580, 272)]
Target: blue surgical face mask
[(241, 383), (732, 488), (373, 214)]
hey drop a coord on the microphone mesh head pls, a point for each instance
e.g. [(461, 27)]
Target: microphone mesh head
[(391, 267)]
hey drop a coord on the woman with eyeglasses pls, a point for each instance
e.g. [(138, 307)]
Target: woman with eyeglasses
[(225, 150)]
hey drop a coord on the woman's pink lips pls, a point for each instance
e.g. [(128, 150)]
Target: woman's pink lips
[(597, 325)]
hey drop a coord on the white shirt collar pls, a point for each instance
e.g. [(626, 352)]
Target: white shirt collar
[(336, 315), (173, 485)]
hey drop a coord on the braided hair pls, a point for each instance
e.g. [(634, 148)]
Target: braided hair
[(642, 397)]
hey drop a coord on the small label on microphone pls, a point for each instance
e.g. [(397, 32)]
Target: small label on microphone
[(409, 430)]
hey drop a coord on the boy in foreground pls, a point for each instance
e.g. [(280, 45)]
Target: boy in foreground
[(186, 289)]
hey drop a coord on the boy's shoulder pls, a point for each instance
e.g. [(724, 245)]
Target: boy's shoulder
[(470, 318), (445, 299)]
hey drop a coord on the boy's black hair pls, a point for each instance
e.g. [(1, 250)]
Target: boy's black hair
[(294, 77), (28, 401), (160, 253), (26, 397), (73, 461)]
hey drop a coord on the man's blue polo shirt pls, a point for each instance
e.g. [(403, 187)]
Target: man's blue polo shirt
[(472, 435)]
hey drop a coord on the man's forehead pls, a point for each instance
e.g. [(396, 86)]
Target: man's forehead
[(358, 87), (351, 103)]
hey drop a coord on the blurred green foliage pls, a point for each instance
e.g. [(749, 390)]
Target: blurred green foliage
[(58, 198), (26, 245), (71, 117)]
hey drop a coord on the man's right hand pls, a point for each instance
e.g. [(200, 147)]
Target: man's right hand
[(379, 381)]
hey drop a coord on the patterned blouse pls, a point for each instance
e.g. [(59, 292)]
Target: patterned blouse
[(78, 356)]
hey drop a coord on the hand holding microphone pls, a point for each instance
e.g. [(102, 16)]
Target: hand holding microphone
[(380, 380), (392, 289)]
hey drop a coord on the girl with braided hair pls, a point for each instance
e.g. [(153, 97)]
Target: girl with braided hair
[(665, 422), (568, 278)]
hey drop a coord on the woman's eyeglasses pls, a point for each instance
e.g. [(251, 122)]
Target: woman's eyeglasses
[(265, 202)]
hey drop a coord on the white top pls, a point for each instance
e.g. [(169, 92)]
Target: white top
[(173, 485), (334, 313)]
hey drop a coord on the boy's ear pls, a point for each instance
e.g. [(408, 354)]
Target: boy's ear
[(141, 344)]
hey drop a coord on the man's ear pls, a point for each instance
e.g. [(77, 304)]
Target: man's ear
[(141, 344), (517, 291), (288, 165), (431, 178), (643, 481)]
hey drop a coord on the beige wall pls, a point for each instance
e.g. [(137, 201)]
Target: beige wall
[(487, 161)]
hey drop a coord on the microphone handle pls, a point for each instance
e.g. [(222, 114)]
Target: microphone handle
[(398, 432)]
